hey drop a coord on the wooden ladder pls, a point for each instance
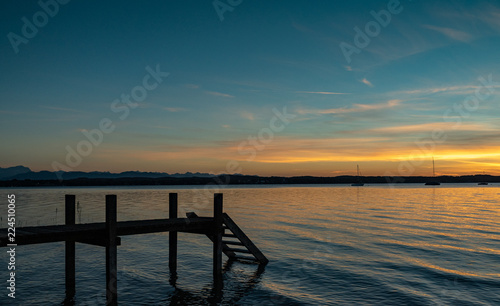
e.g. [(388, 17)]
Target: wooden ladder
[(235, 242)]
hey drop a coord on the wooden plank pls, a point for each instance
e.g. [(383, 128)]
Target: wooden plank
[(24, 232), (253, 259), (55, 233), (69, 217), (241, 251), (244, 239), (164, 225), (111, 252), (35, 235), (31, 235), (44, 230), (172, 235), (231, 242)]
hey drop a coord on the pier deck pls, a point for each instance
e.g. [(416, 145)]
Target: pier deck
[(56, 233), (107, 234)]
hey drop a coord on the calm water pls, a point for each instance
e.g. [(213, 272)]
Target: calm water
[(327, 245)]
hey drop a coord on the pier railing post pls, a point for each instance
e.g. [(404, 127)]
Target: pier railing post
[(111, 251), (172, 240), (217, 251), (69, 216)]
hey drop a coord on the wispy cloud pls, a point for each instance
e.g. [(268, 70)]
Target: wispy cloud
[(426, 127), (323, 92), (175, 109), (226, 126), (247, 115), (458, 89), (219, 94), (365, 81), (492, 19), (439, 89), (62, 109), (192, 86), (451, 33), (355, 109)]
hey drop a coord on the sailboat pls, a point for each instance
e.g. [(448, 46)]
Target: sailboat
[(358, 179), (433, 183), (483, 183)]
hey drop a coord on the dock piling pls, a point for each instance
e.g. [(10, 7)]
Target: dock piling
[(69, 216), (111, 251), (217, 242), (172, 240)]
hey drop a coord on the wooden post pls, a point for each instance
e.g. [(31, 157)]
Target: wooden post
[(217, 260), (69, 216), (172, 240), (111, 251)]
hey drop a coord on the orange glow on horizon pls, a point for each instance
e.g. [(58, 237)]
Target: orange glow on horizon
[(296, 157)]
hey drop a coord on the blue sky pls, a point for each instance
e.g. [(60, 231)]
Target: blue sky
[(226, 77)]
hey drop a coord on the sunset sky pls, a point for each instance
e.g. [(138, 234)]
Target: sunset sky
[(425, 83)]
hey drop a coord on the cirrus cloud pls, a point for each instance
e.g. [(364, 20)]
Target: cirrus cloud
[(219, 94), (354, 109)]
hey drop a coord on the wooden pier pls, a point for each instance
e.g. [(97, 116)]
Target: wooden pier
[(220, 229)]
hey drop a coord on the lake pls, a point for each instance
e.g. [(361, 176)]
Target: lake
[(327, 245)]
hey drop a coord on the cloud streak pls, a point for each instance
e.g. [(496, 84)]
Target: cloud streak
[(356, 108), (219, 94), (458, 89), (247, 115), (451, 33), (426, 127), (323, 92), (365, 81), (63, 109)]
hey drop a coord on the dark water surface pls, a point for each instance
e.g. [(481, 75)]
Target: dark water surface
[(327, 245)]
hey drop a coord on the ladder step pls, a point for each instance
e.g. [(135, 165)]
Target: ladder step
[(229, 236), (241, 251), (246, 258), (232, 242)]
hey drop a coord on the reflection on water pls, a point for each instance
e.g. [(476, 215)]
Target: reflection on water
[(237, 283), (328, 245)]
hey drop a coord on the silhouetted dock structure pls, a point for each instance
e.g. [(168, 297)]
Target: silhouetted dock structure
[(225, 235)]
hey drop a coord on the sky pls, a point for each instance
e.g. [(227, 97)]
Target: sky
[(282, 88)]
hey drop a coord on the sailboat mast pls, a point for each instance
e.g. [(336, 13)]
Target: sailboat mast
[(433, 182)]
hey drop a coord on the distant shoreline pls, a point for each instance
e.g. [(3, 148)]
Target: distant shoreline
[(245, 180)]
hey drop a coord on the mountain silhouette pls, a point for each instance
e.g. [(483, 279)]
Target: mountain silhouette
[(25, 173)]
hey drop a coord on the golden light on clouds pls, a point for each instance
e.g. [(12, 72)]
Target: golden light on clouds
[(323, 156)]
